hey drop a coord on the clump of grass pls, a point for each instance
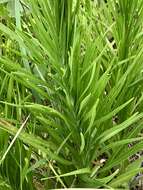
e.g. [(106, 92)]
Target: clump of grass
[(77, 70)]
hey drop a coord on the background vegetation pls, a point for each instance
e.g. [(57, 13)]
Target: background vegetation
[(71, 94)]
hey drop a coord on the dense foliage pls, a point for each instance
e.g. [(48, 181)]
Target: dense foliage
[(71, 94)]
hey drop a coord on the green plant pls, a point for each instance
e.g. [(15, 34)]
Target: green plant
[(82, 88)]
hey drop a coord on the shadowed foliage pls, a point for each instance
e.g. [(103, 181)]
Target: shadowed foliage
[(70, 93)]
